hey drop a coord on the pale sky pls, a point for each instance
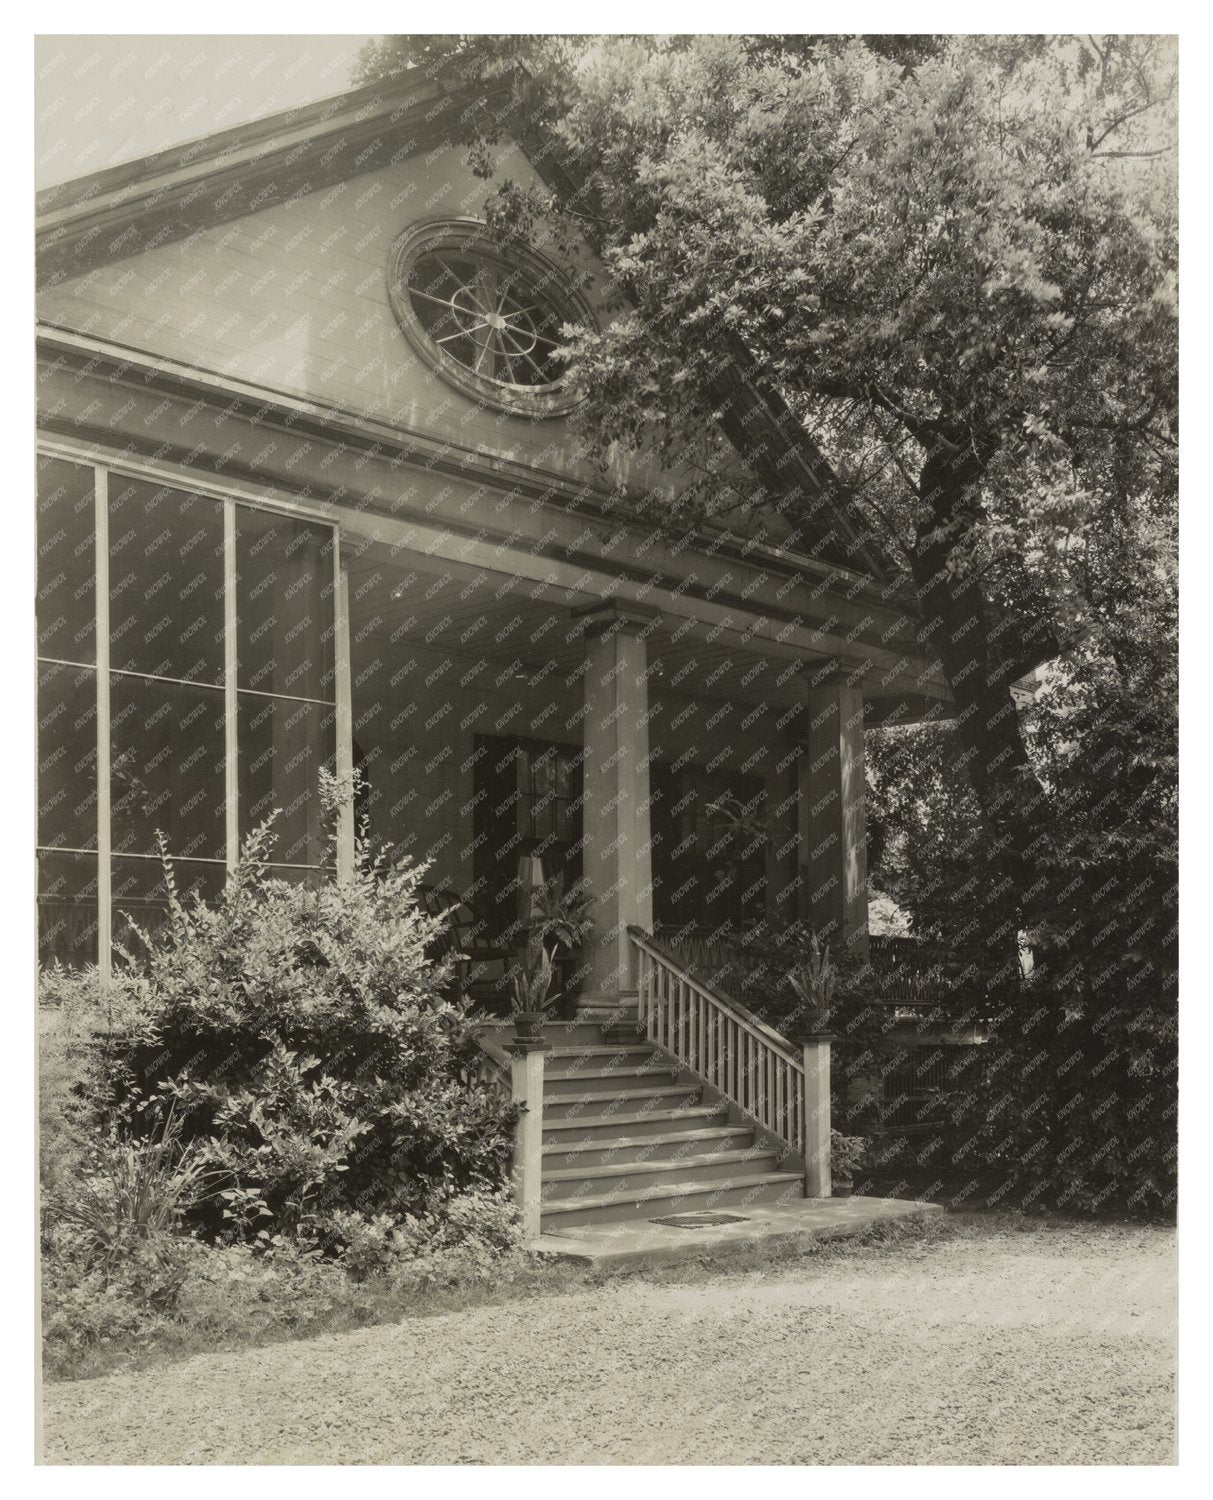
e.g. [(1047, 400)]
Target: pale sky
[(102, 100)]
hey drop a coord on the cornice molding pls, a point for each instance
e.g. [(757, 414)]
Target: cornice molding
[(132, 208), (271, 409)]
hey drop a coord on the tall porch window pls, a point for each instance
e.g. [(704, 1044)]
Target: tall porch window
[(186, 687), (528, 796)]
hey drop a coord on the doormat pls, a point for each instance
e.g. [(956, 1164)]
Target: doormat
[(699, 1220)]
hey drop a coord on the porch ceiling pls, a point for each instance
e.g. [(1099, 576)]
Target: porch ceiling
[(470, 613), (458, 611)]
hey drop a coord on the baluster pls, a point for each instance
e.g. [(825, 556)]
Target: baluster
[(694, 1030), (760, 1082), (660, 997), (781, 1100), (730, 1059)]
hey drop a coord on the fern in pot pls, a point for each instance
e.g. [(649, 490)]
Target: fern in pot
[(814, 980)]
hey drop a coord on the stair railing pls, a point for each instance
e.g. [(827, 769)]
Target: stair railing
[(782, 1088)]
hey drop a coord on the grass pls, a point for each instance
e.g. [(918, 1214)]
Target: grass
[(219, 1313)]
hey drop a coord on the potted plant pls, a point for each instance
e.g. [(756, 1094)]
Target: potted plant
[(530, 982), (813, 980), (847, 1154), (561, 920)]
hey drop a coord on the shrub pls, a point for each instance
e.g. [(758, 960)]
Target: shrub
[(130, 1196), (76, 1013), (452, 1242), (847, 1154), (301, 1037)]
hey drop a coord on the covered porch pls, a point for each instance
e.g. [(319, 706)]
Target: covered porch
[(696, 767)]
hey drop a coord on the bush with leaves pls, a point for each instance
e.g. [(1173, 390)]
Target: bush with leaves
[(463, 1242), (308, 1048)]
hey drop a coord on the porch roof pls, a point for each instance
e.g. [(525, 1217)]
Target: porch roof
[(527, 627)]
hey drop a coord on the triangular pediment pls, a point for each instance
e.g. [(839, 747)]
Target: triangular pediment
[(260, 253)]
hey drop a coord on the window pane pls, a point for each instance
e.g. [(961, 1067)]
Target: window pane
[(295, 875), (67, 757), (167, 768), (66, 562), (283, 744), (166, 582), (285, 605), (67, 909), (139, 893)]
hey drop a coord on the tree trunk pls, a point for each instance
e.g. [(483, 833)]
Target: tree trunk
[(980, 660)]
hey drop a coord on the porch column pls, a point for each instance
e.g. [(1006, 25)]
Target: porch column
[(616, 857), (833, 818)]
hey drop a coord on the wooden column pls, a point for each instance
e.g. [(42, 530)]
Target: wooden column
[(105, 895), (833, 819), (345, 720), (616, 859), (817, 1182), (526, 1088)]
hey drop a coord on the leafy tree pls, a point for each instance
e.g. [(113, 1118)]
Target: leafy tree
[(951, 264)]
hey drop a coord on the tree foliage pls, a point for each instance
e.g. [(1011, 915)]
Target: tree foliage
[(954, 259)]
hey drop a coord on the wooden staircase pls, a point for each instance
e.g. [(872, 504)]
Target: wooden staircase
[(630, 1133)]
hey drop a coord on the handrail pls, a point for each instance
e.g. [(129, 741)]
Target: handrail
[(663, 951), (722, 1041)]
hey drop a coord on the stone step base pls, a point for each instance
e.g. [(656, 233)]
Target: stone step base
[(731, 1194)]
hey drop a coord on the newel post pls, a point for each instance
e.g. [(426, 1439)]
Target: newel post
[(526, 1090), (817, 1183)]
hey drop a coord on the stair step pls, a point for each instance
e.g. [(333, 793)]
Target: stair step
[(724, 1166), (603, 1049), (653, 1121), (667, 1096), (604, 1150), (566, 1081), (731, 1194), (627, 1031), (574, 1034)]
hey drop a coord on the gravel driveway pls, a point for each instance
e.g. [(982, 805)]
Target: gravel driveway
[(1045, 1346)]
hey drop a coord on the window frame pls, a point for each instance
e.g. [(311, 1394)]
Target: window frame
[(472, 238), (103, 467)]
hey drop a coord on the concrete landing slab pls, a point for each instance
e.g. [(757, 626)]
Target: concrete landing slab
[(774, 1227)]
